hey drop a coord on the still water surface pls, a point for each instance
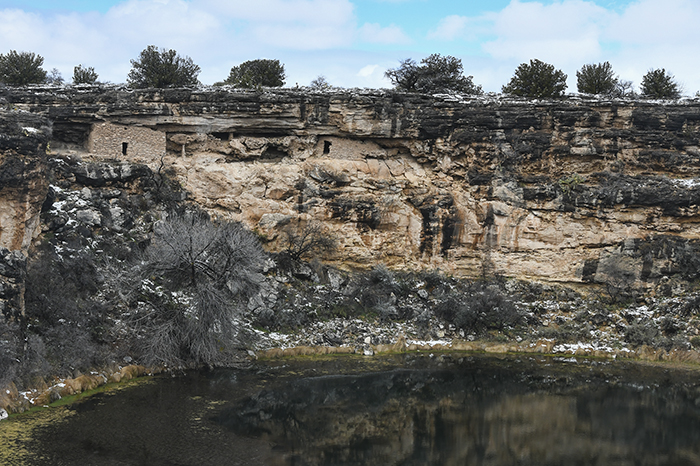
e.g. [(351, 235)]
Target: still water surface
[(450, 409)]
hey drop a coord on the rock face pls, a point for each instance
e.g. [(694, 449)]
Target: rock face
[(575, 191), (23, 176), (23, 187)]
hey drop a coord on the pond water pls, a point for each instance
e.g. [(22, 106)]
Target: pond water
[(442, 409)]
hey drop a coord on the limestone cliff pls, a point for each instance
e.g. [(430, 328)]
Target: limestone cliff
[(23, 187), (575, 191)]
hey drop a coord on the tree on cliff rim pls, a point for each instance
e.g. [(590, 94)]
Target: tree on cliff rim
[(536, 79), (20, 69), (162, 68), (257, 73), (596, 79), (435, 74), (657, 84), (83, 75)]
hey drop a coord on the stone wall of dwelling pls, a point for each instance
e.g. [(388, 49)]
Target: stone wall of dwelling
[(135, 142)]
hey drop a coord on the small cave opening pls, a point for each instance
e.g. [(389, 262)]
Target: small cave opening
[(68, 135), (125, 147), (273, 153), (327, 147), (221, 136)]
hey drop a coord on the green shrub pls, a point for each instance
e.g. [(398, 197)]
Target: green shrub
[(162, 68), (569, 183), (20, 69), (596, 79), (83, 75), (434, 74), (484, 306), (641, 333), (657, 84), (257, 73), (536, 79)]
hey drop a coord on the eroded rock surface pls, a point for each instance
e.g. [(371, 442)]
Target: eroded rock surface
[(575, 191), (23, 187)]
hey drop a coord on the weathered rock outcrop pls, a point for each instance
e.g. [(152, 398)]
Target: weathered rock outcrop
[(23, 186), (576, 191)]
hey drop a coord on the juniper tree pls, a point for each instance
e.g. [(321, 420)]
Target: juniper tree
[(536, 79), (434, 74), (257, 73), (596, 79), (657, 84), (83, 75), (162, 68), (20, 69)]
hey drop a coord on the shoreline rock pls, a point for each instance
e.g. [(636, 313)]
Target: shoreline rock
[(544, 347), (14, 401)]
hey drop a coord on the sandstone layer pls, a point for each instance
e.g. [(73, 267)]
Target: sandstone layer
[(574, 191)]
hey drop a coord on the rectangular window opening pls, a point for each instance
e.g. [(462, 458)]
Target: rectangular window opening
[(125, 146)]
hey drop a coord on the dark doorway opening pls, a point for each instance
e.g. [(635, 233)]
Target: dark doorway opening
[(125, 146), (327, 147)]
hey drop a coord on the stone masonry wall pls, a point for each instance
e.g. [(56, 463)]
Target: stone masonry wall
[(121, 141)]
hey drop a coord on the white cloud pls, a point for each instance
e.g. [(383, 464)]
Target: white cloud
[(450, 28), (15, 28), (563, 32), (570, 33), (216, 34), (163, 22), (652, 22), (315, 37), (367, 71), (372, 76), (292, 24), (392, 34), (282, 11)]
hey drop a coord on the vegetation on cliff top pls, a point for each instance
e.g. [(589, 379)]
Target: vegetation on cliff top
[(84, 75), (257, 73), (536, 79), (658, 84), (434, 74), (162, 68), (20, 69)]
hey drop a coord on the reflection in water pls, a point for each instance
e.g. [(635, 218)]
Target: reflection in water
[(478, 411), (397, 410)]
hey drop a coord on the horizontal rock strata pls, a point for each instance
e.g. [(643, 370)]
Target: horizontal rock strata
[(575, 191)]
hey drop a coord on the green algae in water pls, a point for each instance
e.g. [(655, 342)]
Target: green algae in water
[(17, 433)]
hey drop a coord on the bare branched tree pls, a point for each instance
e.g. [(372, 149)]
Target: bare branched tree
[(308, 240), (195, 277)]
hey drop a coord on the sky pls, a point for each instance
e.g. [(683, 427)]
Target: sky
[(353, 42)]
